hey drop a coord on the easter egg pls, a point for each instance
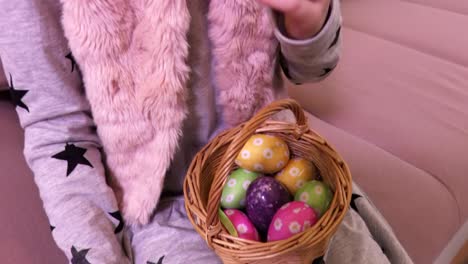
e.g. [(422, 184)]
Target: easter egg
[(292, 218), (234, 191), (264, 197), (227, 223), (316, 194), (244, 227), (264, 154), (297, 172)]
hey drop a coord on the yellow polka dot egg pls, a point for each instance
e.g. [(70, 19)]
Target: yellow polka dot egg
[(264, 154), (297, 172)]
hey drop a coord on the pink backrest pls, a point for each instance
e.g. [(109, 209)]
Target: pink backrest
[(402, 85)]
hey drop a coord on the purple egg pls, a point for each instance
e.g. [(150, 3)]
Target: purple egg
[(265, 196)]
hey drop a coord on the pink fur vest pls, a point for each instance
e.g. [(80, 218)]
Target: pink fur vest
[(133, 58)]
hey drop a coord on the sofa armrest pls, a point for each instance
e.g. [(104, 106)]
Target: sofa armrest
[(3, 80)]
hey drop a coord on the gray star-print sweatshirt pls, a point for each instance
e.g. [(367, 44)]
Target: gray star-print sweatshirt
[(61, 145)]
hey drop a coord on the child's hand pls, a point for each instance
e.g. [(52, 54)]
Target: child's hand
[(303, 18)]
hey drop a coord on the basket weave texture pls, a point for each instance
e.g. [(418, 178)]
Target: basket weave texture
[(211, 167)]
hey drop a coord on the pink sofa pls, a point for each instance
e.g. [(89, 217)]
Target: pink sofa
[(26, 236), (396, 108), (399, 99)]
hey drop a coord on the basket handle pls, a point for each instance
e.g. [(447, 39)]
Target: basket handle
[(249, 128)]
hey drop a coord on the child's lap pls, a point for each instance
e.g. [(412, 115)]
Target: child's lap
[(171, 235)]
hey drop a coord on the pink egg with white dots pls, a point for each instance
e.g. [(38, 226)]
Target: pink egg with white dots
[(291, 219), (245, 228)]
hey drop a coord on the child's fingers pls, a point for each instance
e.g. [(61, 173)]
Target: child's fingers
[(285, 6)]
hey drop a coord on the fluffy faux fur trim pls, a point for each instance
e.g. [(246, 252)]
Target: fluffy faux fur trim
[(133, 57)]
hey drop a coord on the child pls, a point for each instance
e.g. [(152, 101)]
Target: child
[(158, 79)]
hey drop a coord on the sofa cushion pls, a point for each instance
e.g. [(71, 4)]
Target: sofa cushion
[(419, 208), (26, 236), (401, 86)]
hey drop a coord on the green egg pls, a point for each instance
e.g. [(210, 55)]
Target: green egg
[(227, 223), (234, 191), (316, 194)]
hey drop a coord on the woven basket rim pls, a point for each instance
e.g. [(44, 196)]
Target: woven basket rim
[(215, 234)]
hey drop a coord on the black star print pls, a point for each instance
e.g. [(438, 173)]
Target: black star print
[(17, 95), (72, 60), (52, 228), (160, 261), (79, 257), (337, 36), (354, 196), (118, 216), (319, 260), (326, 71), (74, 156), (5, 95), (284, 65)]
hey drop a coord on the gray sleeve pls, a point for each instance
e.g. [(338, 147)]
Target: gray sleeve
[(311, 59), (61, 146)]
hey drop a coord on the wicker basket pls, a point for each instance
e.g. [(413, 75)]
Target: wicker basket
[(212, 165)]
